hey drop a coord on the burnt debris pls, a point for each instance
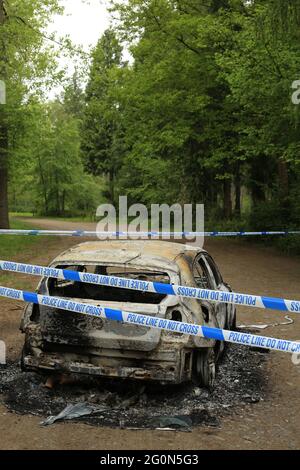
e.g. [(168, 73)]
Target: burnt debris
[(241, 380)]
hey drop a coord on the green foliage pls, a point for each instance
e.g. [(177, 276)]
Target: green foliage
[(46, 174), (27, 66), (202, 113), (101, 143), (206, 106), (53, 182)]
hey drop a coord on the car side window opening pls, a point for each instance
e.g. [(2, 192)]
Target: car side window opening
[(62, 283), (79, 290), (214, 269), (202, 274)]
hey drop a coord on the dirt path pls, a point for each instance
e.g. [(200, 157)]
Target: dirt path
[(270, 424)]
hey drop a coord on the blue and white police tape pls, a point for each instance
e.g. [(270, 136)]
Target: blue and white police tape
[(215, 296), (134, 235), (235, 337)]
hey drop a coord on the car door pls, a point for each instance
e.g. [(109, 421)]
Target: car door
[(202, 274), (205, 279), (221, 308)]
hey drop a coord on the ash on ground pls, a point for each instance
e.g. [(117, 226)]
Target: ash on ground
[(241, 379)]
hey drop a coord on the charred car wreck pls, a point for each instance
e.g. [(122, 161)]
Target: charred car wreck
[(64, 341)]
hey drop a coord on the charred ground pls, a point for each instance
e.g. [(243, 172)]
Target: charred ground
[(241, 380)]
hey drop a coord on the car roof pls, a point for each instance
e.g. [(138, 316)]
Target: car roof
[(124, 251)]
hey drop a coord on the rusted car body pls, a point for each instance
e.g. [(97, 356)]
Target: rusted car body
[(69, 342)]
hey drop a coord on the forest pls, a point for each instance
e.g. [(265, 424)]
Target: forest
[(205, 110)]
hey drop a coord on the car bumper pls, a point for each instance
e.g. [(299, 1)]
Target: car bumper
[(169, 366)]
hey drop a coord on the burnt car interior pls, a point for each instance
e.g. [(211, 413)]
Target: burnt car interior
[(78, 290)]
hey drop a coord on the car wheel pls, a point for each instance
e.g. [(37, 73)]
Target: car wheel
[(204, 373)]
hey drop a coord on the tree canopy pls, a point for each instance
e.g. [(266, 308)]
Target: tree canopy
[(201, 112)]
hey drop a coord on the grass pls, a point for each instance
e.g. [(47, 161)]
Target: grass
[(21, 214), (86, 218), (13, 247), (83, 218)]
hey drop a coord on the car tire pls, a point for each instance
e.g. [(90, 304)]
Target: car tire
[(204, 368), (221, 346)]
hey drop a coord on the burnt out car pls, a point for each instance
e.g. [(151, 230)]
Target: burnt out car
[(64, 341)]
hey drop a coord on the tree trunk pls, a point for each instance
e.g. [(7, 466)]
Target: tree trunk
[(237, 183), (259, 168), (112, 186), (44, 187), (283, 176), (227, 199), (63, 199), (4, 219), (57, 195)]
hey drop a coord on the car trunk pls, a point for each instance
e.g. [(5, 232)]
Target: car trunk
[(59, 327), (64, 327)]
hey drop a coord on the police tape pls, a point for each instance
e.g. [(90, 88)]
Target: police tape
[(215, 296), (247, 339), (120, 234)]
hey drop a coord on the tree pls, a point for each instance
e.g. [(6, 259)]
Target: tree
[(47, 174), (4, 223), (102, 134), (24, 64), (73, 97), (260, 71), (206, 105), (180, 130)]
